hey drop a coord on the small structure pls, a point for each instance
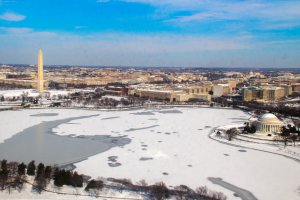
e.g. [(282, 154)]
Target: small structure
[(268, 123)]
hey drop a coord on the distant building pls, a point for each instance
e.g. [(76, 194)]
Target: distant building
[(221, 89), (287, 89), (296, 88), (116, 90), (231, 82), (203, 88), (156, 94), (179, 93), (18, 76), (264, 93)]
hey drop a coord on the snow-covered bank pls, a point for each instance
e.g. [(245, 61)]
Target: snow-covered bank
[(66, 193), (254, 142)]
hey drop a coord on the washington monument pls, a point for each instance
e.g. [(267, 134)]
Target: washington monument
[(40, 82)]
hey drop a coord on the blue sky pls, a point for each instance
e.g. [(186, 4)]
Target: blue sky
[(187, 33)]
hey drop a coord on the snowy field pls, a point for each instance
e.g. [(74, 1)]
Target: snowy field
[(170, 145)]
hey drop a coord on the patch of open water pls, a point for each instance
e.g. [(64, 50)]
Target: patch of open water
[(39, 143)]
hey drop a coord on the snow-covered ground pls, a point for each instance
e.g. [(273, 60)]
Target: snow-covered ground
[(18, 93), (70, 193), (117, 98), (171, 145)]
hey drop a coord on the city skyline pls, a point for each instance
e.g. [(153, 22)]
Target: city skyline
[(152, 33)]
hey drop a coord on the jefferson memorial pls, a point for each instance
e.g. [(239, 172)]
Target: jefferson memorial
[(268, 123)]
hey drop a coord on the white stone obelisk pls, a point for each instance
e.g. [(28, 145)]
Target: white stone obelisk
[(40, 82)]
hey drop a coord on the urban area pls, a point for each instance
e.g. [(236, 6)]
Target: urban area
[(104, 87)]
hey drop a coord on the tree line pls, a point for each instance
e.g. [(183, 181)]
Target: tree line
[(13, 175)]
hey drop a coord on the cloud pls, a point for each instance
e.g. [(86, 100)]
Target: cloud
[(160, 49), (282, 42), (113, 49), (279, 25), (275, 13), (133, 42), (240, 10), (198, 17), (8, 16)]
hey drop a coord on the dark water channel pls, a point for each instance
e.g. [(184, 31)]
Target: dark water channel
[(39, 143)]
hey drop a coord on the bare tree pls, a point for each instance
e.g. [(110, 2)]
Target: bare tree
[(231, 133), (183, 192), (142, 183), (159, 191), (202, 190)]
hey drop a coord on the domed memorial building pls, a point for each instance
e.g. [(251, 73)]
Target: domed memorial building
[(268, 123)]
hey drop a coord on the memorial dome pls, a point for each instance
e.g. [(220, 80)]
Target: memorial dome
[(269, 118), (269, 123)]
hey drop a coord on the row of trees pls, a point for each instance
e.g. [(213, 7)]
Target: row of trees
[(42, 177), (98, 100), (160, 191), (13, 175), (43, 174), (281, 109), (290, 132), (273, 108), (66, 177)]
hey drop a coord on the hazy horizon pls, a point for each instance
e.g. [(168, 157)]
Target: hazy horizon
[(152, 33)]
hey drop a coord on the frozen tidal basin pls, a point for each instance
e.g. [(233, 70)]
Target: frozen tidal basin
[(168, 145)]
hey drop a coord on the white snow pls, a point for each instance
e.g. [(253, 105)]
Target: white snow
[(18, 93), (118, 98), (174, 141), (55, 93)]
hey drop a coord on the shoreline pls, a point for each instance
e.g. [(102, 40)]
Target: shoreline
[(157, 106), (252, 148)]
